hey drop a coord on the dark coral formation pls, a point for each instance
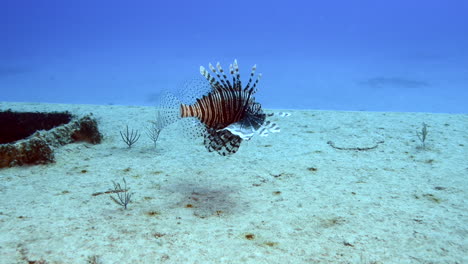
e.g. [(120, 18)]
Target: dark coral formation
[(30, 137), (87, 131), (31, 151), (20, 125)]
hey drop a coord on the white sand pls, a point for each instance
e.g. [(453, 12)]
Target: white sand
[(393, 204)]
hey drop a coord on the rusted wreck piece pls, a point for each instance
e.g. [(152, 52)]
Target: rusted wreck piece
[(29, 138)]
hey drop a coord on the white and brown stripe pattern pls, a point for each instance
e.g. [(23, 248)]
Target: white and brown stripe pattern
[(219, 108), (227, 103), (228, 113), (221, 141)]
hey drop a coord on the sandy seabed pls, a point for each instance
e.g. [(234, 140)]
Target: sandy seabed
[(331, 187)]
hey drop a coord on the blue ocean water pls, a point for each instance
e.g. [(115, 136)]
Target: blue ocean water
[(339, 55)]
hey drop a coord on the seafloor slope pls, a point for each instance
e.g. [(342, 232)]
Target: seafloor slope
[(332, 187)]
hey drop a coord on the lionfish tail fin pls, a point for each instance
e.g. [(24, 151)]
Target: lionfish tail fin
[(171, 109), (168, 109)]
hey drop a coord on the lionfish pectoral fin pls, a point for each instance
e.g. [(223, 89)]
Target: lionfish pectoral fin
[(247, 132), (280, 114), (267, 128), (222, 141), (238, 129)]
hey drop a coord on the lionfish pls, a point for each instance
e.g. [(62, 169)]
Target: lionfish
[(226, 113)]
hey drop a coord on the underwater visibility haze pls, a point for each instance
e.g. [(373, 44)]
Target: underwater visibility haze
[(335, 55), (233, 131)]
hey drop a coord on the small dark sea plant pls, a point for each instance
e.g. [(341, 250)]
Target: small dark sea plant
[(130, 138), (123, 196), (155, 128), (422, 135)]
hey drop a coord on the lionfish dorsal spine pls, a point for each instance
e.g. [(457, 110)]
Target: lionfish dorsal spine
[(231, 71), (212, 80), (238, 83), (218, 74), (254, 86), (252, 74), (220, 69)]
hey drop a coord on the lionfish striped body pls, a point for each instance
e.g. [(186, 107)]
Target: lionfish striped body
[(219, 108), (228, 113)]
